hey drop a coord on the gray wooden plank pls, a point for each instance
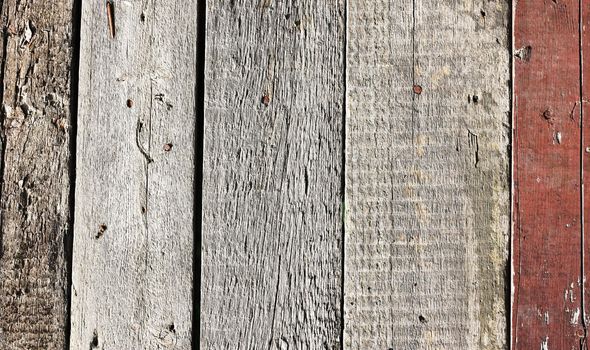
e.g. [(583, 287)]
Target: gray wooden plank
[(273, 164), (133, 245), (35, 68), (427, 164)]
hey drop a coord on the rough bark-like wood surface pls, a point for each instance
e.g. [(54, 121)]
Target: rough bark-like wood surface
[(427, 164), (548, 303), (133, 245), (35, 68), (273, 164)]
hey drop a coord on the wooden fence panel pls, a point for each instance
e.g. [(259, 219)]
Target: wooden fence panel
[(273, 167), (35, 69), (547, 259), (427, 174), (133, 246)]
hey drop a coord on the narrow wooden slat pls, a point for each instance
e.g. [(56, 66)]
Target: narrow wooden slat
[(427, 188), (547, 198), (272, 224), (585, 151), (132, 275), (35, 68)]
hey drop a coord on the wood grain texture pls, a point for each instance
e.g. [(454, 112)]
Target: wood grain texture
[(272, 224), (427, 174), (547, 259), (35, 68), (133, 246), (584, 56)]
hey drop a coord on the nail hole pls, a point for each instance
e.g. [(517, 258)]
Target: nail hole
[(287, 16), (142, 17), (130, 103), (168, 147), (101, 229), (94, 342), (171, 328), (422, 319), (297, 23), (524, 53), (548, 114), (483, 13), (143, 210)]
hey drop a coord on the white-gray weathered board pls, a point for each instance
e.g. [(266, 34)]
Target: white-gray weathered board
[(133, 245), (427, 165), (273, 165)]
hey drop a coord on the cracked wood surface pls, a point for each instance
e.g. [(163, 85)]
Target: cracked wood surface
[(133, 245), (36, 64), (547, 309), (273, 164), (427, 174)]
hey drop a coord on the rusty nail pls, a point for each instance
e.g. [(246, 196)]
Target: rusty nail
[(111, 18), (130, 103), (417, 89), (168, 147), (266, 100)]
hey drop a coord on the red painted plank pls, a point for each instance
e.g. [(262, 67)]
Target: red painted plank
[(585, 56), (547, 245)]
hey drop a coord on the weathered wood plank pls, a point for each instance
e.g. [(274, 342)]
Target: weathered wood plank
[(585, 151), (35, 68), (427, 167), (273, 164), (547, 198), (132, 276)]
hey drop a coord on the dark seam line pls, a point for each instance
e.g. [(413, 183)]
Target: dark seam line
[(74, 97), (343, 178), (2, 119), (509, 270), (198, 166), (413, 67)]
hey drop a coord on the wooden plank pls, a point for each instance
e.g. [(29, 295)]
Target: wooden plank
[(547, 199), (273, 164), (133, 246), (585, 151), (36, 70), (427, 187)]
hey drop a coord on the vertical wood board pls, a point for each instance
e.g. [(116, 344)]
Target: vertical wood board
[(272, 223), (133, 246), (35, 69), (427, 185), (547, 247)]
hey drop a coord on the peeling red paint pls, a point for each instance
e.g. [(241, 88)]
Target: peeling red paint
[(548, 150)]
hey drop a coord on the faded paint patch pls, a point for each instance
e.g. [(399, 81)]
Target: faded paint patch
[(575, 316)]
